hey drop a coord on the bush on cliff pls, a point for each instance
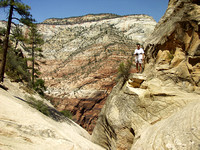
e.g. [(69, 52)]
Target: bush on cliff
[(124, 70), (66, 113)]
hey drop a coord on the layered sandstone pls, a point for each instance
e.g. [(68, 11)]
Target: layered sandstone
[(81, 60), (159, 109)]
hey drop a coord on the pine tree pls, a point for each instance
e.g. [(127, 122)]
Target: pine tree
[(17, 36), (23, 11), (34, 42)]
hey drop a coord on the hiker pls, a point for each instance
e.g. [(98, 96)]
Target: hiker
[(139, 58)]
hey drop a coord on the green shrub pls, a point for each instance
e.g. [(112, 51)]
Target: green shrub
[(170, 55), (124, 70), (16, 66), (39, 105), (39, 86), (66, 113)]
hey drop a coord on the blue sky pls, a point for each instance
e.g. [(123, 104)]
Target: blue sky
[(44, 9)]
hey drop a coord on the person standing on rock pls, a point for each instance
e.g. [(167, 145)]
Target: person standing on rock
[(139, 58)]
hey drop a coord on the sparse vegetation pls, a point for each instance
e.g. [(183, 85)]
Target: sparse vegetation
[(16, 67), (39, 86), (39, 105), (171, 55), (124, 70), (66, 113)]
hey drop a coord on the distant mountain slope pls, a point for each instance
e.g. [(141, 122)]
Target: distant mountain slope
[(78, 20), (82, 59)]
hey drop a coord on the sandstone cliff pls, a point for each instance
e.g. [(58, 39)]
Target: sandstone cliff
[(159, 109), (81, 60)]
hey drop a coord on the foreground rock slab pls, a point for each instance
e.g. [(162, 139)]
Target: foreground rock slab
[(25, 128), (180, 131)]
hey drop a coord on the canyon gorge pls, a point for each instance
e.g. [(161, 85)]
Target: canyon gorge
[(158, 109), (81, 59)]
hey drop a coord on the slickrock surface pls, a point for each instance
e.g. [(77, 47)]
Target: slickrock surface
[(25, 128), (158, 114), (162, 111)]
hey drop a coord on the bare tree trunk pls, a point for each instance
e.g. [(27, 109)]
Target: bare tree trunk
[(3, 65), (33, 65)]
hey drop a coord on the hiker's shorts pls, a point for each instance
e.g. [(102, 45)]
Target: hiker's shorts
[(138, 61)]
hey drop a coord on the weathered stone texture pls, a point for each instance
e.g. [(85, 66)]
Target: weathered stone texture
[(161, 112), (129, 111), (81, 60), (23, 127), (174, 44)]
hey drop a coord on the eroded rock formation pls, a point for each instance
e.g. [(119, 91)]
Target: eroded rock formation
[(81, 59), (160, 110)]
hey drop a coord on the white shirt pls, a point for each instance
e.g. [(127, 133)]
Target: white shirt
[(139, 52)]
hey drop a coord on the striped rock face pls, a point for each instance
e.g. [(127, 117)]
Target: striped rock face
[(82, 58)]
